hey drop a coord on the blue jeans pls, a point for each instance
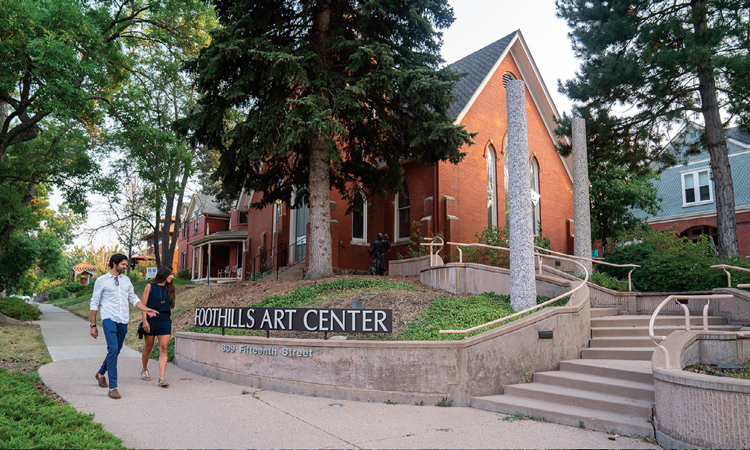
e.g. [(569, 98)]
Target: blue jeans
[(115, 334)]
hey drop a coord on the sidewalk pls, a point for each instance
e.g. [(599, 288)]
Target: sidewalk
[(198, 412)]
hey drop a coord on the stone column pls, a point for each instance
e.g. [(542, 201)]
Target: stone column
[(581, 201), (522, 279)]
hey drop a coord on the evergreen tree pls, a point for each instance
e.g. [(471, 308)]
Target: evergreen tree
[(303, 96), (663, 63)]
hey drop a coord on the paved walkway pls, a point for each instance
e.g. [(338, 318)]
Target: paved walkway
[(198, 412)]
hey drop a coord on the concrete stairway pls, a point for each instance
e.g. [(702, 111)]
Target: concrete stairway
[(610, 389)]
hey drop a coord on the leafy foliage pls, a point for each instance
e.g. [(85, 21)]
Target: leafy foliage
[(309, 295), (603, 279), (670, 263), (17, 308), (29, 419)]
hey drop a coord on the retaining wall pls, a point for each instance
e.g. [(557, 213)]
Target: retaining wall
[(697, 410), (400, 371), (411, 267)]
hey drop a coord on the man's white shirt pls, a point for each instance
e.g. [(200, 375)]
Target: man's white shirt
[(113, 298)]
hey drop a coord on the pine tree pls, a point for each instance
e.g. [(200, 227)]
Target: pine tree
[(662, 63), (303, 96)]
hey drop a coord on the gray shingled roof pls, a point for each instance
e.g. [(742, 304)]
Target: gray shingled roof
[(739, 135), (476, 67), (207, 204)]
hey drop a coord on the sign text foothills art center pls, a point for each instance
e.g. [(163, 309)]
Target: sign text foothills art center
[(332, 320)]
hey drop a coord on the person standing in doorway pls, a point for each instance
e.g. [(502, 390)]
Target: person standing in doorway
[(112, 291), (159, 295)]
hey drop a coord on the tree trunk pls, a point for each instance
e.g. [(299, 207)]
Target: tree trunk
[(166, 256), (726, 221), (178, 213), (155, 241), (319, 244)]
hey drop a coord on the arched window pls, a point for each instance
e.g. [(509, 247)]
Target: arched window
[(491, 187), (359, 218), (403, 207), (535, 200)]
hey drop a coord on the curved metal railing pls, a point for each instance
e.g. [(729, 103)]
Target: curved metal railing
[(729, 275), (525, 311), (658, 339)]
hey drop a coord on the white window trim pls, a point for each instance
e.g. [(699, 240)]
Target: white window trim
[(696, 172), (363, 239), (396, 229), (491, 172)]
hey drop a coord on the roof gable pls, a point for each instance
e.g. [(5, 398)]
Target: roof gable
[(480, 66)]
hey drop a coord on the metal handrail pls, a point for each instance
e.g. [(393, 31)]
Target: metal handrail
[(729, 275), (525, 311), (566, 256), (286, 248), (658, 339), (432, 244)]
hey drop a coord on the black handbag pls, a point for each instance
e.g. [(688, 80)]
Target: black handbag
[(141, 332)]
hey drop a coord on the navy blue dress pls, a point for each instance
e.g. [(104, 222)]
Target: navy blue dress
[(158, 299)]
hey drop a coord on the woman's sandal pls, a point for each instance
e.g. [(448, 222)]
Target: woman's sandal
[(145, 376), (163, 382)]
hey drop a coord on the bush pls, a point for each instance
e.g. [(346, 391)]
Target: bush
[(57, 294), (607, 281), (18, 309), (183, 274), (670, 263)]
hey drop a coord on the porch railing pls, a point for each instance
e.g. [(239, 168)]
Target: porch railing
[(281, 257)]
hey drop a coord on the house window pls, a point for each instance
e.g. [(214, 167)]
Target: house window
[(183, 260), (535, 200), (491, 188), (696, 188), (402, 214), (242, 217), (359, 218), (195, 225), (185, 230)]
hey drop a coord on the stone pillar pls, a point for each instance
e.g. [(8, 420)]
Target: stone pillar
[(581, 201), (521, 235)]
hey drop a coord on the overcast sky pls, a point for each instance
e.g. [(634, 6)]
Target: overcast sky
[(479, 23)]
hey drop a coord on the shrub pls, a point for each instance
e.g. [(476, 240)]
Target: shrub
[(495, 236), (56, 294), (670, 263), (183, 274), (415, 250), (607, 281), (18, 309)]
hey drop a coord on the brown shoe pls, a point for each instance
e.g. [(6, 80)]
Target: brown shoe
[(101, 379), (114, 394)]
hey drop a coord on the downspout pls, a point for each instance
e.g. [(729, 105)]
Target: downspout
[(435, 179)]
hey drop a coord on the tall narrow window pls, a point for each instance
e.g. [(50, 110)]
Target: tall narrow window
[(535, 198), (359, 218), (491, 187), (402, 214)]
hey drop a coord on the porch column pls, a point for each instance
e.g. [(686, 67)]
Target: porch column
[(200, 262), (244, 262), (208, 266)]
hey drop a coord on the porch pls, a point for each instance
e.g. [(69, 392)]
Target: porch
[(218, 257)]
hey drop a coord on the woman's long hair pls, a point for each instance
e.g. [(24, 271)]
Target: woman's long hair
[(161, 277)]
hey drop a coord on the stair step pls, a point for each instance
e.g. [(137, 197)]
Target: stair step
[(604, 312), (625, 341), (630, 353), (643, 320), (595, 383), (639, 371), (582, 398), (629, 331), (622, 424)]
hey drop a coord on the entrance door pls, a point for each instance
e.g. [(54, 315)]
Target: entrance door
[(301, 216)]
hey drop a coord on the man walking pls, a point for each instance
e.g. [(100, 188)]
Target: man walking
[(112, 291)]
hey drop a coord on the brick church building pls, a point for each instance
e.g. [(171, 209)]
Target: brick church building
[(458, 201)]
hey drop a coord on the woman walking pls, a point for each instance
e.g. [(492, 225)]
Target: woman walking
[(159, 295)]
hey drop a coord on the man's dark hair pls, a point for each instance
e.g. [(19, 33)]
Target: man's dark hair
[(116, 259)]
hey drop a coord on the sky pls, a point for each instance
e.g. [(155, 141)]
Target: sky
[(477, 24)]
